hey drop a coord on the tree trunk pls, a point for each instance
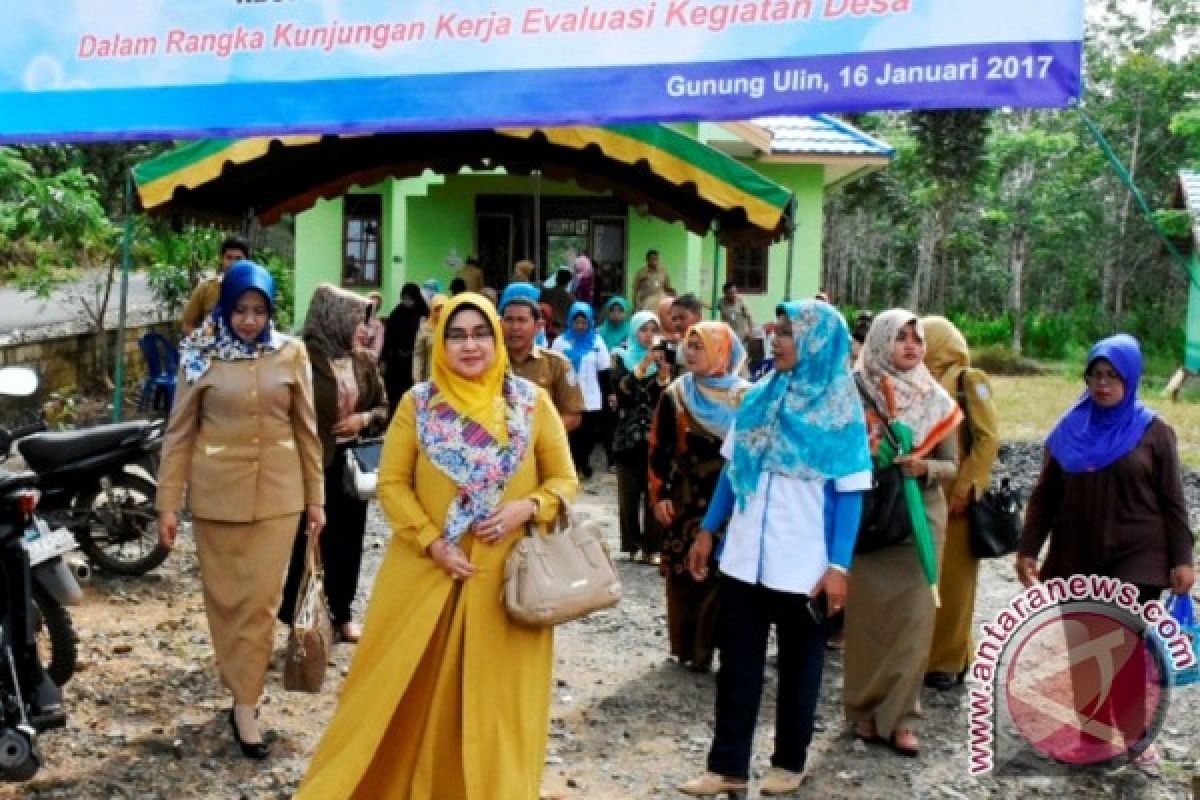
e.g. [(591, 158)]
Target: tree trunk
[(931, 234), (1018, 252), (1112, 267)]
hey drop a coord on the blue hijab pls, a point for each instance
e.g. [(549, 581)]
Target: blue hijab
[(1089, 437), (615, 336), (216, 339), (807, 422), (633, 354), (580, 344)]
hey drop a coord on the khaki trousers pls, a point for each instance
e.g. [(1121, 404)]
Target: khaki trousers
[(241, 569)]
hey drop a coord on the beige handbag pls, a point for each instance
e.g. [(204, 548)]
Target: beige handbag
[(563, 575), (311, 640)]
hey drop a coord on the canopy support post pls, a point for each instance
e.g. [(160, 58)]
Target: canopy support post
[(537, 228), (716, 273), (791, 251), (126, 259)]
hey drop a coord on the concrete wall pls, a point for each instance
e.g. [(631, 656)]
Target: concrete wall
[(71, 362)]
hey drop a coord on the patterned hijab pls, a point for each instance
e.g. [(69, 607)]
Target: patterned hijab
[(617, 335), (633, 354), (807, 422), (333, 318), (215, 339), (912, 396), (1090, 437), (475, 430), (712, 398), (478, 399)]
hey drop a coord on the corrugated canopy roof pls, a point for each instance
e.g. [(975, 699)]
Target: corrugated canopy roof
[(674, 176)]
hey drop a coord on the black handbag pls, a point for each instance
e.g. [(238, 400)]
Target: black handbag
[(885, 518), (362, 468), (993, 520)]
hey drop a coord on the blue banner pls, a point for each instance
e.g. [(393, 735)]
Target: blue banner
[(78, 69)]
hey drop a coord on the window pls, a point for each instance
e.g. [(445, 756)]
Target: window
[(748, 268), (361, 256)]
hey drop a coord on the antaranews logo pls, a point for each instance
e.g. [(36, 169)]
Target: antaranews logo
[(1075, 668)]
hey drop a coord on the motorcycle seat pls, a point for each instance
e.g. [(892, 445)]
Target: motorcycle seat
[(46, 451)]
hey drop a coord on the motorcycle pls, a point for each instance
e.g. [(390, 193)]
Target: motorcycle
[(55, 586), (99, 483), (30, 702)]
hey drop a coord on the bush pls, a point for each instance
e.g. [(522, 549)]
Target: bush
[(1001, 360)]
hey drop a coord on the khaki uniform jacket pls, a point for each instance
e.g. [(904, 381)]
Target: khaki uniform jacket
[(242, 441), (978, 404), (553, 372), (202, 302), (472, 277)]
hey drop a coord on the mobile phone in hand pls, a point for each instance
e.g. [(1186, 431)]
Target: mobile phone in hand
[(818, 609)]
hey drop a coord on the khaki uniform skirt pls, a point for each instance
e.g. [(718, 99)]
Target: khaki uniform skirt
[(889, 626), (241, 569)]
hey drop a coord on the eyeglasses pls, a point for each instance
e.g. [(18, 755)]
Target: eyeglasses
[(1103, 376), (459, 337)]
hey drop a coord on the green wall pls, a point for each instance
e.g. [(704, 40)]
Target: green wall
[(430, 218), (318, 251)]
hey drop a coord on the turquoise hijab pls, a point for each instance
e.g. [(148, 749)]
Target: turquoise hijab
[(633, 354), (807, 422), (615, 336)]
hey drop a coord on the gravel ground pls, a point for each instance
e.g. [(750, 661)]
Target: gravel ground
[(147, 716)]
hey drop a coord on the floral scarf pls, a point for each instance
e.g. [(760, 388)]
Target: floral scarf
[(807, 422), (215, 339), (913, 396), (463, 449)]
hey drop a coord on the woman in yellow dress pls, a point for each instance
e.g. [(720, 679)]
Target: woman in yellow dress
[(447, 698)]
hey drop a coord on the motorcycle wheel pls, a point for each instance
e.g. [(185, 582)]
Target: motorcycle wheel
[(56, 640), (127, 545)]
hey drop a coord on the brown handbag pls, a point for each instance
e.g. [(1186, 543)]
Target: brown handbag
[(311, 640), (563, 575)]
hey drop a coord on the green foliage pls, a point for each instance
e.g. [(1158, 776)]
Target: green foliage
[(284, 273), (1017, 223)]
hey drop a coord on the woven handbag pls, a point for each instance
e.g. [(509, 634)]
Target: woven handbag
[(563, 575), (310, 642)]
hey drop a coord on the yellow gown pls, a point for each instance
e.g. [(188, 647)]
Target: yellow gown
[(446, 698)]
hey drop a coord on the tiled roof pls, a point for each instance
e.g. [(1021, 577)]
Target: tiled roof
[(820, 134), (1189, 183)]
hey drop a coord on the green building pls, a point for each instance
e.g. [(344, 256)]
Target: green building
[(717, 200)]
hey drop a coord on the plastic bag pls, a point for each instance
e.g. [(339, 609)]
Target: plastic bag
[(1183, 609)]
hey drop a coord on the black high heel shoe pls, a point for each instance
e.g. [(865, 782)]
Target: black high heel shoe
[(255, 750)]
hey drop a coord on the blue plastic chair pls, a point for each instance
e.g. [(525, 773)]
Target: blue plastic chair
[(162, 362)]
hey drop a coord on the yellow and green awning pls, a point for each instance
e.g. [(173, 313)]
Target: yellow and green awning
[(670, 174)]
